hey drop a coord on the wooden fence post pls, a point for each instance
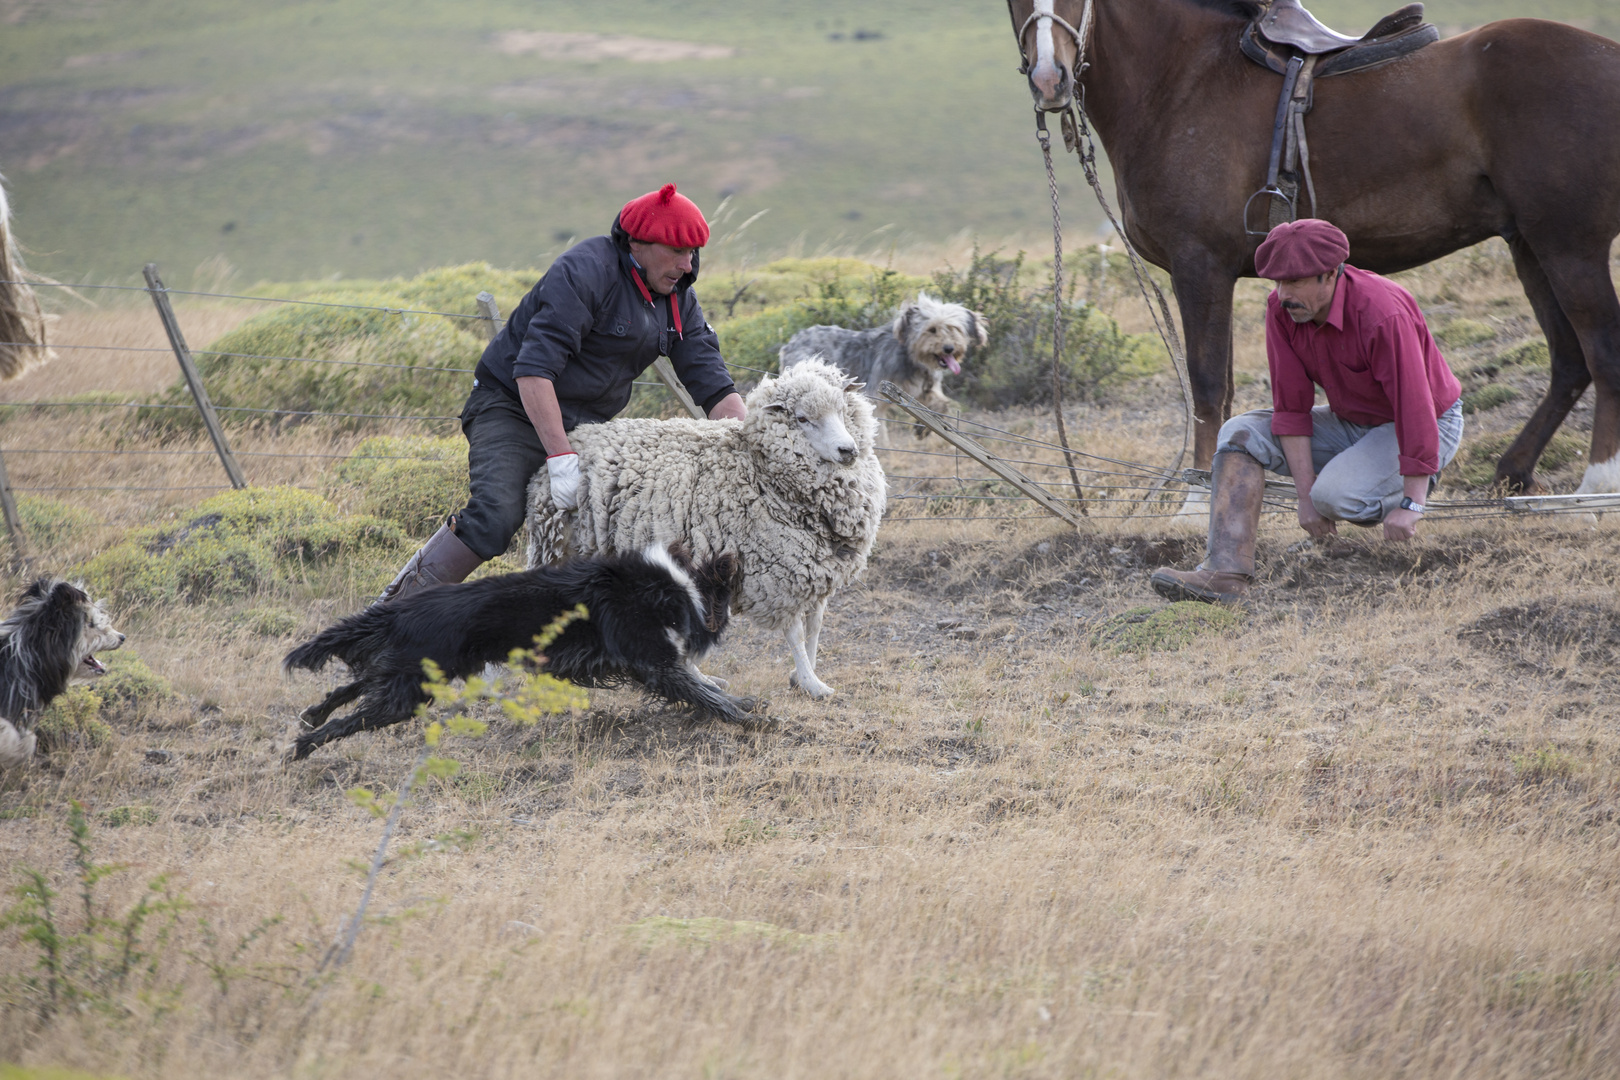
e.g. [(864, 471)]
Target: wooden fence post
[(177, 341), (488, 310), (666, 371), (931, 420), (19, 542)]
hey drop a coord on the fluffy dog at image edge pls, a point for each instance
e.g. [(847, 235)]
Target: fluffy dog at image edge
[(653, 615), (795, 490), (926, 339), (47, 641)]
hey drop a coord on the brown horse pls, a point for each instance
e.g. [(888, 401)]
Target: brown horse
[(1511, 130)]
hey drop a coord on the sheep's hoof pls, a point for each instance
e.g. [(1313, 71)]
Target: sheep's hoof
[(815, 687)]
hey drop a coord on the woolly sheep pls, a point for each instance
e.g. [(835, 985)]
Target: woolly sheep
[(795, 490)]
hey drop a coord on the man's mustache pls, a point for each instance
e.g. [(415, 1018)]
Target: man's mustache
[(1294, 305)]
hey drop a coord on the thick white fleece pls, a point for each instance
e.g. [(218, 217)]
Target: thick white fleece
[(802, 527)]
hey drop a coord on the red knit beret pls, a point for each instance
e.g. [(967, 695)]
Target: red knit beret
[(1301, 249), (664, 217)]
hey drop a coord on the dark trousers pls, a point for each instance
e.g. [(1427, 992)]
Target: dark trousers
[(503, 453)]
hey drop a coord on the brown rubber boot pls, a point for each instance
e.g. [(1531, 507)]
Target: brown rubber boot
[(1234, 515), (443, 560)]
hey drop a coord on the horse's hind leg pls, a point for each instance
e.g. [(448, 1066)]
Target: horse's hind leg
[(1517, 468), (1586, 293)]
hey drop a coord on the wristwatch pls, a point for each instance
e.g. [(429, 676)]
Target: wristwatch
[(1408, 504)]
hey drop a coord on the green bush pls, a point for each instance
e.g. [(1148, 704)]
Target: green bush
[(49, 523), (1015, 368), (1530, 354), (73, 719), (1487, 397), (130, 688), (1476, 465), (237, 544), (1461, 333), (268, 622), (368, 362), (414, 483), (1166, 629)]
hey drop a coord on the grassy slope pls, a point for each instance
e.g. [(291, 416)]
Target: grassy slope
[(368, 139)]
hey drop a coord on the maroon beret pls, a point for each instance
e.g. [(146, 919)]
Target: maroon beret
[(1301, 249), (665, 217)]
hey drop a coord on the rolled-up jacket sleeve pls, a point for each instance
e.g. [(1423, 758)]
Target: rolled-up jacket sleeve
[(1395, 359), (696, 358), (568, 297), (1292, 391)]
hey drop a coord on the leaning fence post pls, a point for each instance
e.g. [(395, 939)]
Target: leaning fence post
[(19, 542), (666, 371), (177, 341), (488, 310), (931, 420)]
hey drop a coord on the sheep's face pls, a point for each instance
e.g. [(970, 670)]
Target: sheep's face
[(827, 433)]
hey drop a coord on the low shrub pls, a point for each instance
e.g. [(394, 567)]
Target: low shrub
[(73, 720), (1166, 629), (1488, 397), (1476, 465), (49, 523), (234, 545), (414, 483), (347, 361), (270, 622), (1461, 333), (130, 689), (1015, 368)]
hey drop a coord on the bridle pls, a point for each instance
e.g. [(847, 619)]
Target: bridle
[(1042, 18), (1077, 140)]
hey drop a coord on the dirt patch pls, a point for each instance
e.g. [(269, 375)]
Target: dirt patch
[(591, 47), (1534, 632)]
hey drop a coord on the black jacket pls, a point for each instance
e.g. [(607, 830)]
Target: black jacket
[(586, 327)]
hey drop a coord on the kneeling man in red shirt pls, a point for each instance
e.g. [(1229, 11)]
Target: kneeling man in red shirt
[(1392, 422)]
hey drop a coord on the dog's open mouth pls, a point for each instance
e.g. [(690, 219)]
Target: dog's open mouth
[(94, 666), (949, 362)]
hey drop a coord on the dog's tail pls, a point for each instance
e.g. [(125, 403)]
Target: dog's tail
[(314, 654)]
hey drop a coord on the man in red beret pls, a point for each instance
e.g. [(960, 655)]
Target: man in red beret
[(1392, 421), (604, 311)]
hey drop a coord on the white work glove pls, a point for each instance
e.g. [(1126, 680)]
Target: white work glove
[(564, 472)]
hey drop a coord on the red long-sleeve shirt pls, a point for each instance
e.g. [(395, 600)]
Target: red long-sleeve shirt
[(1376, 360)]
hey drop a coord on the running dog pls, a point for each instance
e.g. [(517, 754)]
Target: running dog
[(652, 617), (926, 339), (47, 641)]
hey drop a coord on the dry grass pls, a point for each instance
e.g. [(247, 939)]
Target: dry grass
[(1371, 831)]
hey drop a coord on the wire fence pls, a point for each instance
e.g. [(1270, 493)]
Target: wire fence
[(926, 484)]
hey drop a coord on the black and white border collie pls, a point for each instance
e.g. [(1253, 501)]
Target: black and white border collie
[(653, 615), (47, 641)]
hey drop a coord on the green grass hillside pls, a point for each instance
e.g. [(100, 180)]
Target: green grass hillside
[(363, 138)]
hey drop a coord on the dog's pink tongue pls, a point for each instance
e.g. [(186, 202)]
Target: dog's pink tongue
[(956, 368)]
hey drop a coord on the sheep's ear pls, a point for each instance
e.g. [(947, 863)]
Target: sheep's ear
[(776, 406), (853, 386)]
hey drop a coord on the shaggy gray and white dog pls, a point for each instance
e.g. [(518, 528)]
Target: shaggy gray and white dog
[(926, 340), (47, 641)]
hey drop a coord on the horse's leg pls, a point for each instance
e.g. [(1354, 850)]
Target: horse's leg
[(1517, 468), (1586, 293), (1204, 295)]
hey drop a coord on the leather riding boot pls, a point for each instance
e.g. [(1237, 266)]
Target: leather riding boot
[(1239, 482), (443, 560)]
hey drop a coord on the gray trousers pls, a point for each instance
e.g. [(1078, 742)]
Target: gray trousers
[(503, 452), (1358, 476)]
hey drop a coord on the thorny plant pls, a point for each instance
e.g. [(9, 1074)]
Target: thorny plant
[(537, 694)]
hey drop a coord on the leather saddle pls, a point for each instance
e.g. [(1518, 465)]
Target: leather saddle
[(1285, 30)]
